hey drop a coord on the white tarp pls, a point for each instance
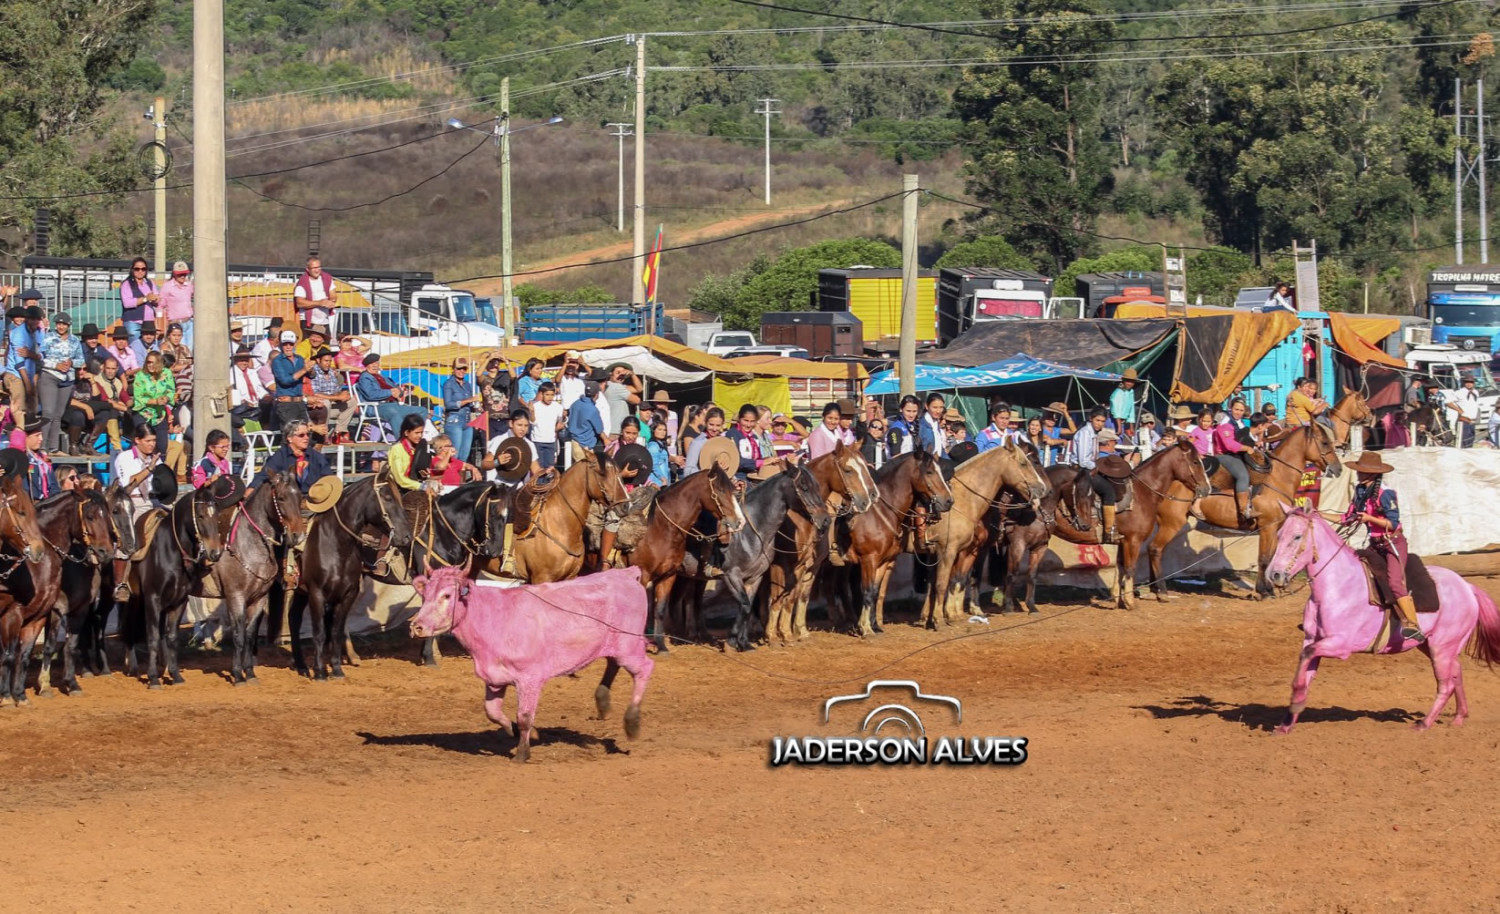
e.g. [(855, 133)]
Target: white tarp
[(1449, 497), (643, 363)]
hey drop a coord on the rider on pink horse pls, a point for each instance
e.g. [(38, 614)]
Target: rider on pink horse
[(1375, 505)]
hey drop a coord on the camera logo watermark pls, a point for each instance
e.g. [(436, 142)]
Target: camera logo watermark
[(894, 733)]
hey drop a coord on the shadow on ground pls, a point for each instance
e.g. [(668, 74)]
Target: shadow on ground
[(1257, 716)]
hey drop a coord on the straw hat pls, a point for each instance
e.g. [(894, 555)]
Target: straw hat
[(1368, 462), (662, 398), (1180, 411), (722, 451), (953, 415), (1057, 406), (323, 494), (1106, 434), (512, 460), (1129, 374)]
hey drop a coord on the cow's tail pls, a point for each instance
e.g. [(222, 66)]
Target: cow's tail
[(1485, 644)]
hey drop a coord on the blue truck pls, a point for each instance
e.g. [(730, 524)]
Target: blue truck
[(1463, 303), (571, 323)]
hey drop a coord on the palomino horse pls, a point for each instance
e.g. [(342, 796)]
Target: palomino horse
[(1340, 619), (673, 517), (554, 546), (959, 534), (876, 537), (847, 486), (1067, 511), (32, 581), (76, 525), (753, 550), (257, 533), (339, 543), (1293, 451), (1151, 488), (181, 553)]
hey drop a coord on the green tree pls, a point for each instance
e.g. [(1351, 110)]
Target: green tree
[(789, 283), (1036, 149), (985, 251), (1217, 274), (1138, 258)]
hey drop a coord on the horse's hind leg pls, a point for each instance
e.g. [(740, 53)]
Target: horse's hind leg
[(1445, 670), (234, 609), (1034, 564), (169, 642), (294, 620), (255, 616), (54, 635)]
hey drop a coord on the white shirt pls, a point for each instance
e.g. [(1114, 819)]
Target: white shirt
[(262, 351), (544, 425), (569, 390), (494, 448), (127, 464), (939, 434), (1467, 404), (246, 395)]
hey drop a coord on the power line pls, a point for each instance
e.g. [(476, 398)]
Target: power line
[(386, 199)]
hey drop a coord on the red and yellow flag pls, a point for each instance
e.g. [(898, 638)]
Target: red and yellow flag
[(653, 268)]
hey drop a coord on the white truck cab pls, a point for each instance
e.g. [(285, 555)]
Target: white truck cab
[(726, 341), (1449, 365)]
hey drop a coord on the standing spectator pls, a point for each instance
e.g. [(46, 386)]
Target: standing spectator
[(1123, 403), (313, 296), (873, 410), (145, 342), (1036, 436), (623, 392), (933, 422), (288, 369), (752, 457), (248, 397), (661, 405), (528, 382), (328, 405), (547, 416), (585, 426), (713, 427), (110, 401), (18, 373), (1465, 407), (763, 430), (138, 298), (828, 434), (179, 358), (1181, 417), (1085, 440), (872, 446), (998, 433), (61, 356), (389, 397), (176, 302), (215, 460), (1303, 403), (459, 399), (958, 430), (154, 394), (692, 426), (1147, 439), (662, 458), (568, 379), (784, 441)]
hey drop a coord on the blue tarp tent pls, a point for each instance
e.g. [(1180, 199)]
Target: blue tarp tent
[(1018, 369)]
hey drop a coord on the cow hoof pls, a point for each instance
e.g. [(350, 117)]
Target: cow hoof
[(633, 723), (601, 701), (522, 756)]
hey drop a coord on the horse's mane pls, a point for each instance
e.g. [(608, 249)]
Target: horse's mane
[(889, 468)]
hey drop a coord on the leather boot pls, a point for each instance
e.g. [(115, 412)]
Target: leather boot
[(1242, 501), (112, 432), (1406, 607), (507, 555), (122, 580), (1110, 534)]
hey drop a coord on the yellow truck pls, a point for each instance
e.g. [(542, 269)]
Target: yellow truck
[(874, 296)]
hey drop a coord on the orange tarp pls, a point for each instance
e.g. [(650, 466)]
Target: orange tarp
[(1246, 340), (1357, 337), (274, 299)]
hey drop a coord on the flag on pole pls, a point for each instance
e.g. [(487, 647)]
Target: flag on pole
[(653, 268)]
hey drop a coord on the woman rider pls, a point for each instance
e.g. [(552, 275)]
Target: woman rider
[(1375, 505), (1230, 447)]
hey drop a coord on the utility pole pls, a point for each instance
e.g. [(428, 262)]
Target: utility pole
[(210, 281), (1458, 171), (908, 361), (638, 260), (766, 109), (621, 132), (1484, 225), (159, 121), (502, 131)]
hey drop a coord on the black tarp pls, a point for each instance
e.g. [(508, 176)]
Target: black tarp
[(1082, 343)]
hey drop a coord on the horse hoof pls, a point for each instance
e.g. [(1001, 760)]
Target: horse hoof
[(239, 682), (153, 685), (320, 676), (1033, 610), (336, 674), (521, 757), (251, 680), (85, 674), (45, 693)]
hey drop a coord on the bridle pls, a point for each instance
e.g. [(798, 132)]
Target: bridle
[(200, 555), (375, 486), (15, 519)]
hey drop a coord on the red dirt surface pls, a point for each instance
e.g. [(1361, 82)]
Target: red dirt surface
[(1152, 782)]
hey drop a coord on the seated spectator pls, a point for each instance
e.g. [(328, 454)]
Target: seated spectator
[(389, 398), (215, 460), (110, 401), (145, 343), (248, 398), (123, 355), (154, 394), (316, 340), (328, 400)]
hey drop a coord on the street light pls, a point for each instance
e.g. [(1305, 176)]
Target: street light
[(501, 131)]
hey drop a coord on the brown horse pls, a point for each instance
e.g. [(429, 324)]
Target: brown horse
[(1067, 512), (848, 488), (1293, 451), (876, 537), (673, 520), (1349, 411), (32, 579), (1151, 491), (959, 533), (552, 549)]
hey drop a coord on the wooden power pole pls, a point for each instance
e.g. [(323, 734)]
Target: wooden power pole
[(210, 279), (908, 361)]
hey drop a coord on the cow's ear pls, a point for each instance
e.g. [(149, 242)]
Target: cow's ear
[(1285, 508), (419, 584)]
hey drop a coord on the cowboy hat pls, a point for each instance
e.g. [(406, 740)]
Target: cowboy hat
[(1368, 462), (767, 470), (323, 494), (13, 462), (163, 484), (35, 425), (1180, 411), (226, 490), (953, 415), (847, 407), (633, 460), (721, 451), (661, 396), (1147, 417), (1129, 374), (512, 460), (1106, 434), (1057, 406), (962, 451)]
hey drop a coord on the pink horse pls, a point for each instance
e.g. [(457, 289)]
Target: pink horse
[(1340, 619)]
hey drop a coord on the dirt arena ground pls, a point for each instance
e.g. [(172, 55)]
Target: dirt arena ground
[(1153, 782)]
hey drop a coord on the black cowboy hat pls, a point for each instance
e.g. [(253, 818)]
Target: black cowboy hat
[(962, 451), (512, 460), (14, 312), (226, 491), (33, 313), (13, 462), (148, 326), (633, 460), (244, 352), (90, 331), (163, 484), (34, 426), (120, 333)]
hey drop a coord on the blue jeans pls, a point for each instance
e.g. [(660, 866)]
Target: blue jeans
[(546, 453), (187, 332), (133, 330), (392, 413), (456, 427)]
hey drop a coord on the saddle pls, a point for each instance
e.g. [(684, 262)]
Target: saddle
[(635, 519), (145, 529), (1118, 471), (528, 500), (1418, 581)]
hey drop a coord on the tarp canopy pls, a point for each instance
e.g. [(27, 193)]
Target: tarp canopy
[(763, 366), (775, 393), (1082, 343), (1356, 338), (1022, 369), (1214, 354), (1018, 369)]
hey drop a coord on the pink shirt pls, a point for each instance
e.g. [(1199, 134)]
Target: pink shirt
[(822, 441), (1224, 440), (176, 302), (1203, 440)]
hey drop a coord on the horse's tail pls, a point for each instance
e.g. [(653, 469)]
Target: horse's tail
[(1485, 644), (133, 622)]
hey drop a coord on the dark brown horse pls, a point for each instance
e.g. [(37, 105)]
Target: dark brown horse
[(753, 550), (90, 637), (672, 522), (1291, 453), (875, 539), (32, 578), (1067, 511), (75, 524), (1151, 489), (256, 535), (553, 547), (341, 542)]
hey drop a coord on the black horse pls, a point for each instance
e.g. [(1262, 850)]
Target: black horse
[(181, 553), (76, 526), (341, 542), (467, 528), (92, 656), (753, 549)]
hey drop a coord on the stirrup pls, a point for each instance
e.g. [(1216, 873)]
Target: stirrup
[(1412, 633), (122, 592)]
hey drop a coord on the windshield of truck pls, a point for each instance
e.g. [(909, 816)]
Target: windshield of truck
[(992, 308), (463, 308), (734, 339), (1451, 376)]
